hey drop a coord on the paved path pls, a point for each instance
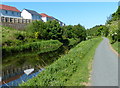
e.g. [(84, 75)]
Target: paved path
[(105, 66)]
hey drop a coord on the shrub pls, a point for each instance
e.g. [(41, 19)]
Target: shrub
[(20, 37)]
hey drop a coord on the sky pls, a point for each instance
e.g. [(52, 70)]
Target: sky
[(87, 14)]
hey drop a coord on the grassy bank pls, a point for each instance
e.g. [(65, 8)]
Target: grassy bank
[(13, 37), (116, 46), (73, 41), (71, 69), (43, 46)]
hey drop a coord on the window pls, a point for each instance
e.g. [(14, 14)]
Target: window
[(12, 13), (17, 13), (6, 12)]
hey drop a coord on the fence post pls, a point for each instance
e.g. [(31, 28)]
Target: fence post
[(0, 19), (9, 19), (12, 19), (4, 19)]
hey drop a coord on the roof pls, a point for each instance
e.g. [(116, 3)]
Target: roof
[(45, 15), (6, 7), (32, 12)]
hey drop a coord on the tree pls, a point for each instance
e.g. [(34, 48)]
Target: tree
[(79, 32), (54, 30)]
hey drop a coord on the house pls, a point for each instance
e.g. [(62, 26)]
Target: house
[(60, 22), (45, 17), (9, 11), (30, 14)]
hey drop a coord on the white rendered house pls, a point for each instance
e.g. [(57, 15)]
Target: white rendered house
[(46, 18), (30, 14)]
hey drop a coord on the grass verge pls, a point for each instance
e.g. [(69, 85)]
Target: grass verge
[(116, 46), (71, 69)]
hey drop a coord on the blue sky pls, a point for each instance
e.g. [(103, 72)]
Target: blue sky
[(87, 14)]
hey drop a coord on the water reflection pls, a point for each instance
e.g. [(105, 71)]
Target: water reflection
[(18, 63)]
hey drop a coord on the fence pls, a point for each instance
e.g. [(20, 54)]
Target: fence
[(14, 20), (16, 23)]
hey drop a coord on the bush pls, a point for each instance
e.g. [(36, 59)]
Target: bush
[(20, 37), (37, 35), (73, 41)]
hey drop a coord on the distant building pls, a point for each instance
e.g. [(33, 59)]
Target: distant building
[(13, 12), (45, 17), (30, 14), (60, 22), (9, 11)]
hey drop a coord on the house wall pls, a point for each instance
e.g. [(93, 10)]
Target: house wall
[(18, 26), (8, 13), (26, 15), (36, 17), (49, 19), (45, 19)]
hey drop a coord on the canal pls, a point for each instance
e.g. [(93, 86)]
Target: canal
[(13, 66)]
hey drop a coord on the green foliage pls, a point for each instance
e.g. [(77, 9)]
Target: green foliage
[(61, 71), (115, 16), (116, 46), (19, 37), (13, 37), (73, 41), (37, 35), (76, 31), (48, 30), (37, 31), (98, 30), (43, 46), (53, 30), (114, 27), (113, 32)]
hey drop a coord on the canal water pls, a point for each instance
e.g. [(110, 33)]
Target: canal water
[(13, 66)]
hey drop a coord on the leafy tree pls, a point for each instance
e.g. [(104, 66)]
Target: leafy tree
[(79, 32), (114, 17), (54, 30), (68, 31), (98, 30)]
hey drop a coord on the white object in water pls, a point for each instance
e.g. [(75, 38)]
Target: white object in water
[(0, 78), (28, 71)]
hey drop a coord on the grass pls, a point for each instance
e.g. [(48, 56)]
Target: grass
[(73, 41), (71, 69), (116, 46), (43, 46), (11, 37)]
